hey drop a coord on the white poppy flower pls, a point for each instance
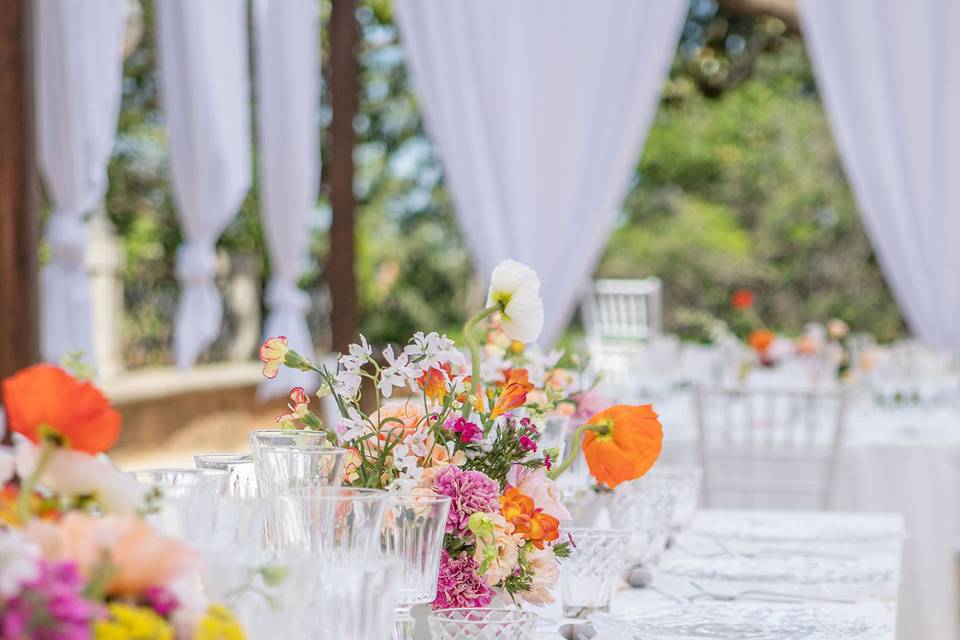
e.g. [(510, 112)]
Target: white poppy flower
[(74, 473), (515, 290)]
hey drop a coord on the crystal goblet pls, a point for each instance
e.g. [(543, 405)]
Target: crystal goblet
[(593, 570)]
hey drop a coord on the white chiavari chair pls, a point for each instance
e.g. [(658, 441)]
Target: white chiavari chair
[(767, 447), (623, 309)]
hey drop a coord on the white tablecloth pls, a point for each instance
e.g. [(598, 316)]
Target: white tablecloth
[(900, 461), (876, 603)]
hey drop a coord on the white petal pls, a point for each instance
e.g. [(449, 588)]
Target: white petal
[(523, 317), (508, 277)]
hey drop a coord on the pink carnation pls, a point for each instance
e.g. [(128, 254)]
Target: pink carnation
[(458, 584), (468, 431), (470, 492)]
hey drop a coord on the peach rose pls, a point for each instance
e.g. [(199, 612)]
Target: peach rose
[(141, 558)]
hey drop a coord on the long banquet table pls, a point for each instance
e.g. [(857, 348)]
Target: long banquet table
[(902, 461), (854, 557)]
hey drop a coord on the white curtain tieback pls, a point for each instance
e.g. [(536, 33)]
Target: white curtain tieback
[(67, 236), (284, 294), (196, 263)]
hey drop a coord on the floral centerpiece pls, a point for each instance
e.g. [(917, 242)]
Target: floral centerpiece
[(77, 560), (458, 430)]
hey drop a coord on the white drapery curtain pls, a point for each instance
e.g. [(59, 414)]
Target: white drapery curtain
[(205, 83), (287, 74), (78, 69), (888, 73), (539, 110)]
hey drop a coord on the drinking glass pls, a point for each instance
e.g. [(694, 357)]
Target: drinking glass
[(644, 508), (482, 624), (686, 481), (553, 436), (289, 459), (413, 532), (325, 519), (593, 570), (342, 595), (182, 499), (242, 481)]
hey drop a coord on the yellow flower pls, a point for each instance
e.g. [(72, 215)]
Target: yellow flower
[(219, 624), (127, 622)]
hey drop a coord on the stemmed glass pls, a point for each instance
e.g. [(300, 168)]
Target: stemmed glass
[(413, 532)]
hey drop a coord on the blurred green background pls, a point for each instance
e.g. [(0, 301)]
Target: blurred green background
[(739, 185)]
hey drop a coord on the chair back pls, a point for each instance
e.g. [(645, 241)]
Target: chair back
[(769, 448), (623, 309)]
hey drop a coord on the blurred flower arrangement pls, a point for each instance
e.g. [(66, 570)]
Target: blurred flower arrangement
[(464, 430), (77, 560)]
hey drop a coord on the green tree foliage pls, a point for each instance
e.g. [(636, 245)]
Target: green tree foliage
[(739, 185)]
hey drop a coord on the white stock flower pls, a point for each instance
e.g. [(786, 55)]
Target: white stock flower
[(352, 427), (398, 372), (347, 384), (432, 350), (19, 558), (515, 290)]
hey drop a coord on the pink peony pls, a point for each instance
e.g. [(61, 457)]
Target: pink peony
[(470, 492), (458, 584), (543, 491)]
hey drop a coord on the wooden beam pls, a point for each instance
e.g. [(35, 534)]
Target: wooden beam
[(344, 88), (19, 219)]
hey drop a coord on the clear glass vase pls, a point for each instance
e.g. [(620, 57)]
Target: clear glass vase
[(413, 532)]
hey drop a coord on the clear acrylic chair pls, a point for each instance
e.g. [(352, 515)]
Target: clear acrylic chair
[(767, 447)]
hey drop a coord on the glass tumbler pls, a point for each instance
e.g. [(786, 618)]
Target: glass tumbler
[(413, 532), (182, 500), (593, 571), (645, 509), (242, 481), (328, 519)]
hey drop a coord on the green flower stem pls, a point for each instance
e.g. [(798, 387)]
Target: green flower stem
[(602, 429), (26, 488), (471, 339)]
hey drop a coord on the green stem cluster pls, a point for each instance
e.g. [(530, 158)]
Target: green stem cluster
[(601, 429), (47, 450)]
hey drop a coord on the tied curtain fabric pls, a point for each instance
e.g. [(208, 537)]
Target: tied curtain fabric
[(888, 73), (539, 110), (78, 48), (287, 72), (206, 97)]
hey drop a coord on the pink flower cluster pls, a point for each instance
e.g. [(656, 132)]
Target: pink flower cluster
[(51, 606), (467, 431), (458, 584), (470, 492)]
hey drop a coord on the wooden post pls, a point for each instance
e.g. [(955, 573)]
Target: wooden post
[(19, 220), (344, 87)]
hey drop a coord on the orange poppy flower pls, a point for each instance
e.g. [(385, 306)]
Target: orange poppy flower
[(622, 443), (514, 392), (760, 340), (45, 403), (532, 523)]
